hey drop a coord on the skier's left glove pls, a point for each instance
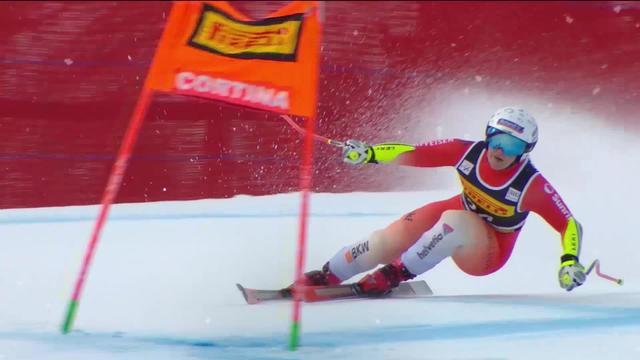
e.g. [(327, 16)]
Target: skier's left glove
[(571, 274)]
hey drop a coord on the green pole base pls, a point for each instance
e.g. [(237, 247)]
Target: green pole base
[(295, 336), (71, 314)]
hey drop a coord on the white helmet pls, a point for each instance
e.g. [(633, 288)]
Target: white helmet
[(514, 121)]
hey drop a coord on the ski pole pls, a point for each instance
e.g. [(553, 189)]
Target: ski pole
[(596, 264), (315, 136)]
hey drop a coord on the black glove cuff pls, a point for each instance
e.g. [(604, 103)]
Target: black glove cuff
[(568, 257), (373, 156)]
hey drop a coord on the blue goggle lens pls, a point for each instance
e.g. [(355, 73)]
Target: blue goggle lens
[(510, 145)]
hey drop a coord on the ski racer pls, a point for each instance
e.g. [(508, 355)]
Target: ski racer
[(477, 228)]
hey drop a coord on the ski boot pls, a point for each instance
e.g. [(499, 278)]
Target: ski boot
[(322, 277), (382, 281)]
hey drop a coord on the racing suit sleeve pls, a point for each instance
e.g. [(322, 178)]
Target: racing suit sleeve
[(541, 198), (436, 153)]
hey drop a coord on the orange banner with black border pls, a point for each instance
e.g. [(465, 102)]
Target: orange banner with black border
[(211, 50)]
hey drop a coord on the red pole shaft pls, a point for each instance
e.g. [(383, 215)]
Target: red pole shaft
[(305, 186), (110, 193)]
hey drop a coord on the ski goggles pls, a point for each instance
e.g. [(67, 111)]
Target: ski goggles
[(510, 145)]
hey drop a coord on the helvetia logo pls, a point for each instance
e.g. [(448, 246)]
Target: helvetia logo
[(269, 39), (426, 249)]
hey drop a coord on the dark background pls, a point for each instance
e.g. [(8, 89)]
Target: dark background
[(70, 74)]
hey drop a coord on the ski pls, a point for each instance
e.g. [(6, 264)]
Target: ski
[(410, 289), (255, 296)]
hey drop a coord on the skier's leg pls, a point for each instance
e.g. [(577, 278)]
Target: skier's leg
[(385, 245), (458, 232), (410, 228), (487, 254)]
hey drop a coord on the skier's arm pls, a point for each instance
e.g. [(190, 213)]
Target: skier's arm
[(436, 153), (543, 199)]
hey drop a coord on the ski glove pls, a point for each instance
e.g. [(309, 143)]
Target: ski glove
[(356, 152), (571, 274)]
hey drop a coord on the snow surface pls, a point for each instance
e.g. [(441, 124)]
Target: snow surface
[(162, 284), (162, 287)]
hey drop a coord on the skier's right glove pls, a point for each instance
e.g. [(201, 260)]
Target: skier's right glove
[(571, 274), (356, 152)]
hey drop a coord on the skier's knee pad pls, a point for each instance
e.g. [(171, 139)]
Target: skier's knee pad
[(479, 251)]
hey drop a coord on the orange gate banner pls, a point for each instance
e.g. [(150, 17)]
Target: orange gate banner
[(211, 50)]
